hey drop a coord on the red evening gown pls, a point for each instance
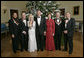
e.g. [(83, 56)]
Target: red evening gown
[(50, 45)]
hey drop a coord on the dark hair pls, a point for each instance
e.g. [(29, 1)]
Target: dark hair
[(23, 12), (38, 10), (68, 12), (13, 13), (49, 13)]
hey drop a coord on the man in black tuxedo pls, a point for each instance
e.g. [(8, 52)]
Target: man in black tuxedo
[(23, 31), (40, 30), (68, 32), (58, 31), (14, 30)]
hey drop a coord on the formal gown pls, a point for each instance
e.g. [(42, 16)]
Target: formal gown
[(32, 45), (50, 45)]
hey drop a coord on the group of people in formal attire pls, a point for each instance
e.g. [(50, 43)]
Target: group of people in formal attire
[(38, 33)]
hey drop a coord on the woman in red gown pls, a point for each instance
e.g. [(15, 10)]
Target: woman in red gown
[(50, 45)]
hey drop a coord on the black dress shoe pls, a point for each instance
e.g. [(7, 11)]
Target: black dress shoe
[(14, 51), (37, 50), (59, 48), (41, 49), (21, 50), (26, 50), (56, 49)]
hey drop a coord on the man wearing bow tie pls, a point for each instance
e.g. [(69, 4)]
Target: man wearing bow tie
[(24, 31), (40, 30), (58, 31), (68, 32)]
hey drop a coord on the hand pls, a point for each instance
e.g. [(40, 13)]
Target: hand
[(66, 21), (24, 32), (13, 36), (31, 23), (65, 32), (44, 32), (53, 34)]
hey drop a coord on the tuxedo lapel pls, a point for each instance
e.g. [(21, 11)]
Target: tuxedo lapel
[(69, 23), (36, 21), (41, 21)]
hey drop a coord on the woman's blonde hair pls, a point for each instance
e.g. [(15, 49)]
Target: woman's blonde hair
[(31, 16)]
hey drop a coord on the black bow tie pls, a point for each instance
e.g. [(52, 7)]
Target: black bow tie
[(38, 17)]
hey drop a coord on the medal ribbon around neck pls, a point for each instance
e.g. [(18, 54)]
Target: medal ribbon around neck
[(15, 22)]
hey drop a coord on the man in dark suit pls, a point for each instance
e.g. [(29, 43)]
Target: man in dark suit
[(40, 30), (23, 31), (58, 31), (68, 32), (14, 30)]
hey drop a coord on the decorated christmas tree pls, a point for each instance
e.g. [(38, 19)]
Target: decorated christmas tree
[(44, 6)]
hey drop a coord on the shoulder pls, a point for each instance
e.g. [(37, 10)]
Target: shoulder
[(54, 19), (20, 19), (73, 19), (35, 17), (10, 20)]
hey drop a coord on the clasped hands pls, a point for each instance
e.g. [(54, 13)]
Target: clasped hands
[(45, 33), (65, 31)]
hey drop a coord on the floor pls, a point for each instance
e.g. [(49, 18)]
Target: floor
[(6, 49)]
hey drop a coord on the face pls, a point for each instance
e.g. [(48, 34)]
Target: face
[(57, 15), (23, 15), (15, 15), (31, 18), (67, 15), (38, 13), (49, 16)]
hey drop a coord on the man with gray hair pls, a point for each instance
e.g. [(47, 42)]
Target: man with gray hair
[(58, 31)]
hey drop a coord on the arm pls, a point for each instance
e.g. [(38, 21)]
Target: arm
[(71, 28), (11, 27), (44, 24), (53, 27)]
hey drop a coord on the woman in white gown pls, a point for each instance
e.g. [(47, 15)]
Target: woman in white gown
[(32, 45)]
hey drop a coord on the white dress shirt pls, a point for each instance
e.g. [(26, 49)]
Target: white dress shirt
[(24, 21), (66, 23), (39, 20)]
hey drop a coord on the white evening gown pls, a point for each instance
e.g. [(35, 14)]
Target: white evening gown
[(32, 45)]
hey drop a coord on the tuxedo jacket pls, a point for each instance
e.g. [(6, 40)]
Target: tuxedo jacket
[(59, 28), (42, 26), (13, 28), (22, 26), (70, 27)]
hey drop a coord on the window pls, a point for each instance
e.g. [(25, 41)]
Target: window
[(76, 10)]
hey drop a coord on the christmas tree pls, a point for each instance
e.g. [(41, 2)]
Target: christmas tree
[(44, 6)]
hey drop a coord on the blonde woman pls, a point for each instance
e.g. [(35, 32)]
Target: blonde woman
[(32, 46)]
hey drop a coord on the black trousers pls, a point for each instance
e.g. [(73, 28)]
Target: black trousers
[(15, 44), (68, 40), (40, 41), (57, 40), (24, 42)]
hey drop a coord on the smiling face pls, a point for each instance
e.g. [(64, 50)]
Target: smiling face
[(49, 16), (31, 19), (57, 14), (68, 15), (15, 15), (38, 13), (23, 15)]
